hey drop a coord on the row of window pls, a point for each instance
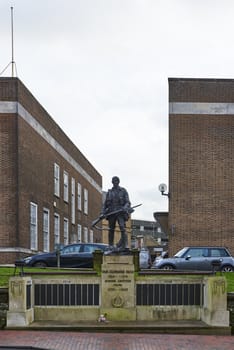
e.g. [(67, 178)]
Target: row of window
[(73, 192), (85, 236), (143, 228)]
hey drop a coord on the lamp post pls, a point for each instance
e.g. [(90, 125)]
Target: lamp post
[(162, 188)]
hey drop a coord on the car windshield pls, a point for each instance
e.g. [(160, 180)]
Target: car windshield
[(180, 253)]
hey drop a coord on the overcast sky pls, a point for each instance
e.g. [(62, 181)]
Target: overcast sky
[(100, 68)]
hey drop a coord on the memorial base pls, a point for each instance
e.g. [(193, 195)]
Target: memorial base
[(118, 288), (20, 319)]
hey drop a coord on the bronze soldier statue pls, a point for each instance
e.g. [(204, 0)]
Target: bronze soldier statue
[(117, 201)]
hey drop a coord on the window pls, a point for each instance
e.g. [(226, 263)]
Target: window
[(85, 235), (72, 249), (65, 186), (89, 248), (46, 230), (65, 231), (79, 191), (33, 226), (79, 230), (85, 201), (196, 252), (91, 236), (56, 179), (56, 229), (216, 252), (73, 201)]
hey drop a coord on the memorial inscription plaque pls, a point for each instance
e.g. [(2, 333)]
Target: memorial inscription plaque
[(118, 287)]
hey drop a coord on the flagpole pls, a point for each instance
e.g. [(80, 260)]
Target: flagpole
[(12, 44)]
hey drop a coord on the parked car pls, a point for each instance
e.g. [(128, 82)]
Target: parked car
[(73, 255), (145, 259), (198, 258), (163, 255)]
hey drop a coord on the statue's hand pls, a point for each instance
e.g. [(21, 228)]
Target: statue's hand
[(105, 212)]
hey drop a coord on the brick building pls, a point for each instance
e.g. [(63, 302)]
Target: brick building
[(201, 163), (49, 192)]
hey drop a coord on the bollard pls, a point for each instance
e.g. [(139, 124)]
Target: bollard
[(58, 253), (216, 265), (20, 264)]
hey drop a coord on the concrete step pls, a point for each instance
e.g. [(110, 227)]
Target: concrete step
[(177, 327)]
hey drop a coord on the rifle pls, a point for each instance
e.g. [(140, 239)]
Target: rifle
[(105, 216)]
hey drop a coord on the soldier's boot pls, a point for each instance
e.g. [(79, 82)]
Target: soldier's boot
[(111, 240), (119, 244), (123, 242)]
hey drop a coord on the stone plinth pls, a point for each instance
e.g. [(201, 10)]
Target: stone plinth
[(215, 311), (118, 287), (21, 312)]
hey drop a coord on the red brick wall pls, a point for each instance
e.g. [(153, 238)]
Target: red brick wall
[(27, 174), (30, 104), (8, 181), (201, 167)]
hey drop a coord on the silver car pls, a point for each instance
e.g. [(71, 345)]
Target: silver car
[(198, 259)]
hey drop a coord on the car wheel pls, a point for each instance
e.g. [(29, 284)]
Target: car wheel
[(167, 267), (40, 264), (227, 268)]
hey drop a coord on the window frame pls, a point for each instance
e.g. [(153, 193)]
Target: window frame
[(56, 180), (91, 236), (46, 231), (33, 227), (79, 196), (86, 201), (86, 238), (65, 231), (56, 226), (65, 186), (73, 201), (79, 233)]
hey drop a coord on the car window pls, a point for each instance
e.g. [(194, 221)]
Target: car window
[(216, 252), (89, 248), (101, 247), (196, 252), (71, 249)]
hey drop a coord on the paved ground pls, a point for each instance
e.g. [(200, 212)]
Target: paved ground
[(111, 341)]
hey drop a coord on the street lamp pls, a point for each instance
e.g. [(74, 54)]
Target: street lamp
[(162, 188)]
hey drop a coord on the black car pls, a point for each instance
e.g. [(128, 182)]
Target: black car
[(73, 255)]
